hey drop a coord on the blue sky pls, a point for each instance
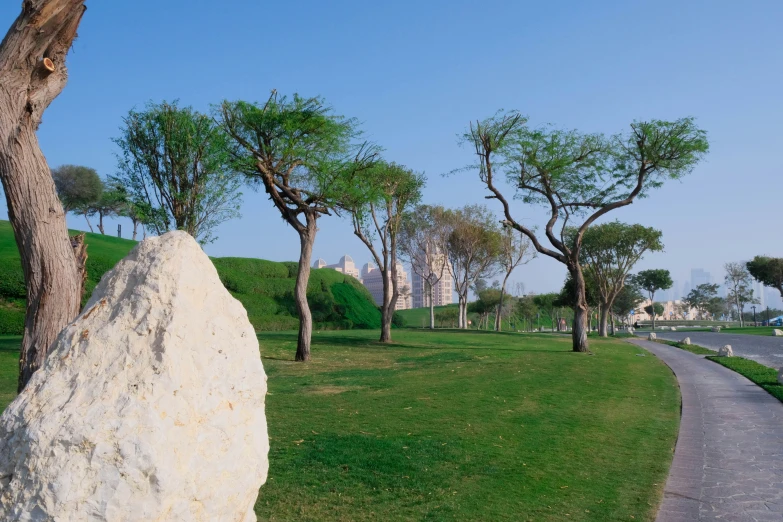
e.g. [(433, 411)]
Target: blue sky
[(416, 73)]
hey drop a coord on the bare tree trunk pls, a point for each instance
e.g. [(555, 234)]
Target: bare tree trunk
[(652, 306), (33, 72), (498, 316), (100, 223), (306, 240), (604, 320), (581, 311), (135, 228), (614, 330), (388, 306), (87, 219), (431, 292)]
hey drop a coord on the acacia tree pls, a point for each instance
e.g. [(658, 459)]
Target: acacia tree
[(547, 303), (579, 175), (77, 187), (110, 203), (376, 202), (609, 252), (33, 72), (626, 300), (422, 242), (651, 281), (703, 298), (515, 250), (473, 248), (739, 282), (305, 157), (176, 161), (768, 271)]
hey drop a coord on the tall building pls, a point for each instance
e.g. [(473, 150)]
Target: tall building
[(700, 277), (373, 280), (442, 291), (345, 266)]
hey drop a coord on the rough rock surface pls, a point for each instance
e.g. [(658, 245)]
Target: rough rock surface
[(777, 333), (652, 337), (716, 329), (686, 341), (674, 328), (150, 405), (726, 351)]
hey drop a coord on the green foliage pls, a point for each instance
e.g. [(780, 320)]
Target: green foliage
[(265, 288), (768, 271), (703, 298), (78, 187), (653, 280), (174, 165), (658, 308), (628, 299), (567, 297)]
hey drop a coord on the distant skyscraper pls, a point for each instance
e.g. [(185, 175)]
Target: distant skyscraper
[(700, 277), (442, 293)]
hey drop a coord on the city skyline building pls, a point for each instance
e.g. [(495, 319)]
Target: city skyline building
[(372, 279), (345, 265)]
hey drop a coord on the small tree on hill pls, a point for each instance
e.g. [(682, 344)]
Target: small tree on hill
[(577, 175), (654, 310), (111, 202), (422, 242), (768, 271), (376, 202), (651, 281), (306, 157), (609, 252), (176, 162), (515, 250), (78, 188)]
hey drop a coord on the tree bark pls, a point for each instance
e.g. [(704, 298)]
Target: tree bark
[(135, 228), (32, 67), (87, 219), (581, 311), (431, 292), (100, 224), (603, 324), (306, 241)]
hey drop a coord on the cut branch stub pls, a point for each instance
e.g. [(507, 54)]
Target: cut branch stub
[(48, 64)]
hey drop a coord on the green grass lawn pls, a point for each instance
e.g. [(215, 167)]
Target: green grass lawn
[(763, 376), (698, 350), (9, 368), (452, 425), (751, 330)]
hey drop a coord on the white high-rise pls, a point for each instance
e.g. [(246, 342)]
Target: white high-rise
[(442, 292), (373, 280), (345, 266)]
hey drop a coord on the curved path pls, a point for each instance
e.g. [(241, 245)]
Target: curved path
[(766, 350), (728, 463)]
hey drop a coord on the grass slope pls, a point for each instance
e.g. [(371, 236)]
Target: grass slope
[(763, 376), (420, 318), (452, 425), (265, 288)]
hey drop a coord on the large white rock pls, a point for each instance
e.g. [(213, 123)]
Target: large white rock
[(726, 351), (674, 328), (652, 337), (716, 329), (150, 405), (686, 341), (777, 333)]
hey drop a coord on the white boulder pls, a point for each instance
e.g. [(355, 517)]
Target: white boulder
[(630, 330), (686, 341), (652, 337), (777, 333), (150, 405), (716, 329), (726, 351), (674, 328)]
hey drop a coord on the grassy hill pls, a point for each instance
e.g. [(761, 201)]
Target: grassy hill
[(265, 288)]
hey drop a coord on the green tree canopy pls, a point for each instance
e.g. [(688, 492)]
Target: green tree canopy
[(768, 271), (651, 281), (658, 308), (174, 162), (704, 298), (77, 186)]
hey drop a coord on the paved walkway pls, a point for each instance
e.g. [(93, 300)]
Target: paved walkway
[(728, 462), (764, 349)]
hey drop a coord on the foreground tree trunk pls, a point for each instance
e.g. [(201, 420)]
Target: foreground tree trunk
[(306, 240), (33, 72), (603, 323), (581, 311)]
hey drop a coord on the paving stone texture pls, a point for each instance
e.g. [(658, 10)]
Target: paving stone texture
[(728, 462)]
